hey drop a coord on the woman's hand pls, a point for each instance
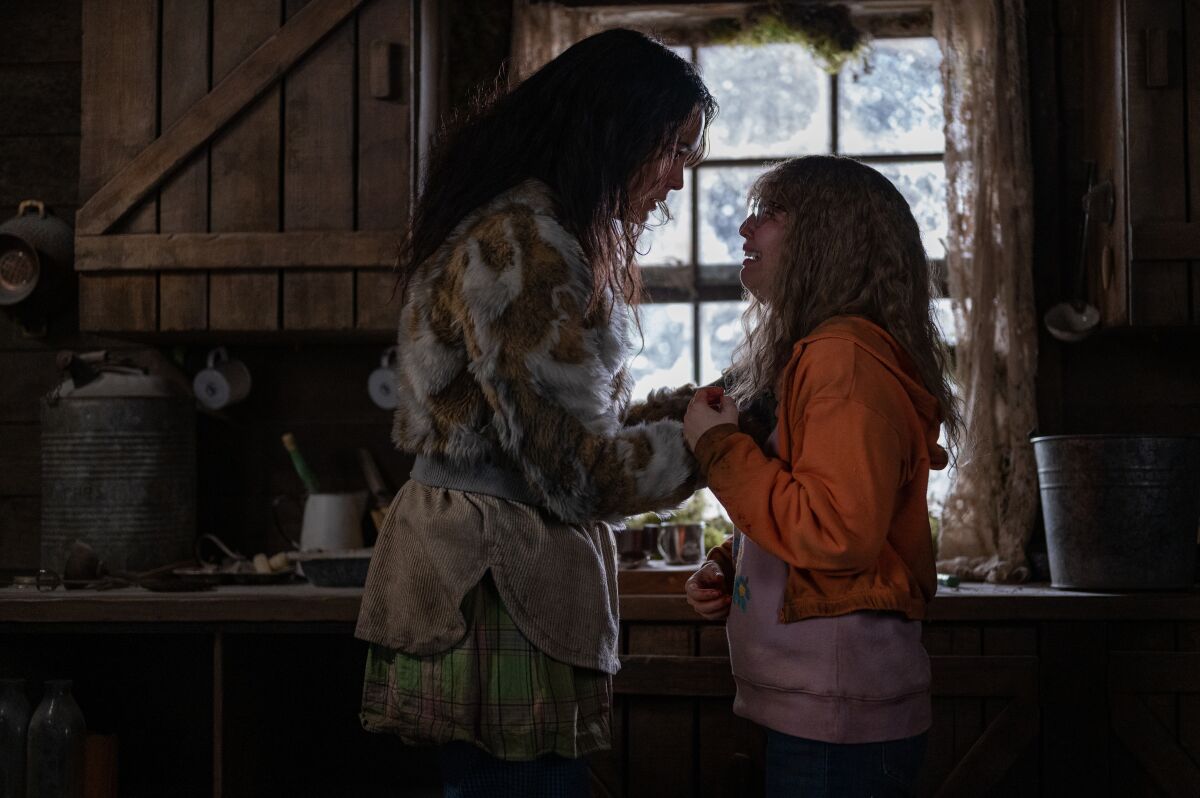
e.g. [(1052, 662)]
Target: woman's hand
[(708, 408), (706, 592)]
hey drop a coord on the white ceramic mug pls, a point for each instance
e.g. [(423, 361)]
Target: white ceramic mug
[(333, 521), (224, 382), (381, 385)]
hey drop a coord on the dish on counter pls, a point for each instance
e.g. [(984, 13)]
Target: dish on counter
[(340, 568)]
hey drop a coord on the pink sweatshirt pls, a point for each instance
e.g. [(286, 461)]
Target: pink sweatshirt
[(856, 678)]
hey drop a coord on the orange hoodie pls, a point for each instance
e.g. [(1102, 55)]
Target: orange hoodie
[(843, 503)]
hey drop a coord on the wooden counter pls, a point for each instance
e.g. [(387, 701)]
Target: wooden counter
[(254, 691), (650, 593)]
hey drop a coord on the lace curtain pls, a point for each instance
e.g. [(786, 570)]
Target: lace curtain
[(993, 503)]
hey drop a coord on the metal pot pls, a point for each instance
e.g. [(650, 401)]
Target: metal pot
[(37, 251)]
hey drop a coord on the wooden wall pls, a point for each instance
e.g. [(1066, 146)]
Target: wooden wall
[(1117, 381)]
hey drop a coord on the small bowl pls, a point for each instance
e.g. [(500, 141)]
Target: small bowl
[(342, 568)]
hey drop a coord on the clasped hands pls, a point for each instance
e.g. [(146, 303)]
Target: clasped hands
[(710, 407)]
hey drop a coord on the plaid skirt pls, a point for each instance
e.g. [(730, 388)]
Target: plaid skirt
[(493, 689)]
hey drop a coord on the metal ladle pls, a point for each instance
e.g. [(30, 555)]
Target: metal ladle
[(1076, 319)]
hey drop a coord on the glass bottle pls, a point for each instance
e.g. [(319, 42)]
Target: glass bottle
[(54, 763), (14, 723)]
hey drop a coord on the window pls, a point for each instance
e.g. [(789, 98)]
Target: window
[(776, 102)]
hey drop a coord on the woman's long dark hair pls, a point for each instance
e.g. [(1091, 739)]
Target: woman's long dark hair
[(583, 124)]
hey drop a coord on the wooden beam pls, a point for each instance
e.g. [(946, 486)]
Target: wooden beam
[(1154, 747), (1154, 672), (252, 77), (665, 675), (983, 766), (315, 249)]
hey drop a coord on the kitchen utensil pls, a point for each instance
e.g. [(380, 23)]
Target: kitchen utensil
[(681, 544), (333, 521), (1075, 319), (381, 385), (225, 381), (301, 465), (381, 497), (635, 544), (36, 253)]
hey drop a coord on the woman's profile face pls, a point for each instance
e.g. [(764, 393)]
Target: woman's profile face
[(658, 177), (763, 230)]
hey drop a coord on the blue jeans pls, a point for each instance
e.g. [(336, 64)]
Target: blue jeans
[(797, 767)]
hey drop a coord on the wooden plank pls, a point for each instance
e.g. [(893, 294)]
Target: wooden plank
[(661, 727), (1022, 777), (40, 99), (318, 300), (40, 32), (243, 302), (29, 375), (183, 301), (119, 115), (1189, 703), (183, 198), (1153, 747), (40, 167), (318, 174), (983, 676), (994, 752), (232, 251), (661, 639), (118, 302), (939, 748), (377, 298), (968, 710), (1157, 672), (244, 179), (712, 641), (1074, 715), (1153, 240), (385, 124), (1157, 166), (20, 520), (237, 90), (21, 474), (658, 674), (118, 118)]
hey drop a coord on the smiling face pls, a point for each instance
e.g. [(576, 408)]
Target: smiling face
[(658, 177), (764, 231)]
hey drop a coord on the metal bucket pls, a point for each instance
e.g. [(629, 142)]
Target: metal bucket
[(1121, 511), (119, 473)]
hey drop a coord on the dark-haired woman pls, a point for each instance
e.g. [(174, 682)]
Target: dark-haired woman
[(491, 602)]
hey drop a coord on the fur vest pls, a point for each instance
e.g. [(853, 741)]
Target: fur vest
[(500, 366)]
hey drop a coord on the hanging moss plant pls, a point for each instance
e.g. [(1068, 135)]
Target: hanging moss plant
[(827, 31)]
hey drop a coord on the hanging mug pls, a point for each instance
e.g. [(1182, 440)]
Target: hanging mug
[(224, 382), (381, 385)]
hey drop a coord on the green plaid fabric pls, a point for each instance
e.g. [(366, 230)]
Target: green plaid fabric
[(492, 689)]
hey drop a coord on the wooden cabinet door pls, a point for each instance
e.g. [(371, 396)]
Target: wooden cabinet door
[(245, 164), (1162, 67)]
